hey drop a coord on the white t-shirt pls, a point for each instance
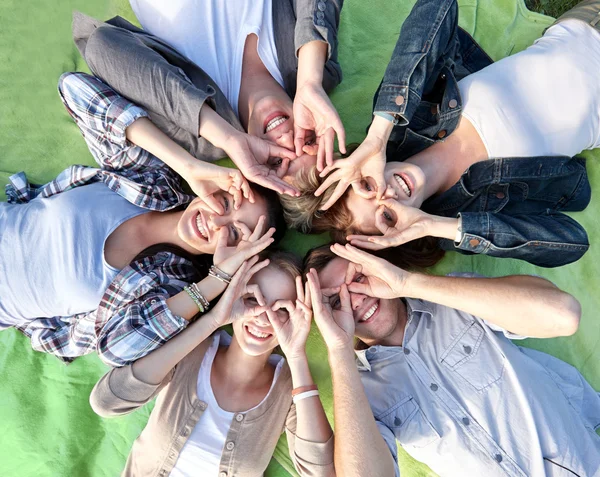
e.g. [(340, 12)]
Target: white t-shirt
[(201, 454), (544, 100), (212, 33)]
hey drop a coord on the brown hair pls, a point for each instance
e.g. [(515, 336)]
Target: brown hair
[(287, 262)]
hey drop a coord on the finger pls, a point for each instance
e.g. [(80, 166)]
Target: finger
[(237, 197), (329, 137), (258, 266), (321, 155), (339, 164), (341, 135), (367, 245), (275, 321), (246, 232), (281, 171), (214, 204), (351, 271), (256, 310), (287, 305), (278, 151), (299, 139), (258, 230), (315, 289), (338, 192), (277, 184), (253, 289), (361, 288), (380, 185), (380, 221), (350, 253), (299, 289), (362, 191), (259, 246), (305, 308), (307, 295), (346, 305), (311, 149), (222, 236)]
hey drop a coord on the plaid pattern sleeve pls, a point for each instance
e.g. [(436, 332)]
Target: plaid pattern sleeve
[(133, 317)]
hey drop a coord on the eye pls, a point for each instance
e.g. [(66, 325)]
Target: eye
[(367, 186), (282, 313), (234, 234), (335, 302), (226, 203), (388, 216), (274, 162), (251, 300), (359, 278)]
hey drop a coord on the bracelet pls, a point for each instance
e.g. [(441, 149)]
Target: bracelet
[(194, 298), (301, 389), (304, 395), (200, 296), (219, 274), (391, 118)]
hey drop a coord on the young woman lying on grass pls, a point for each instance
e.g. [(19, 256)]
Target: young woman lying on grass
[(223, 401), (64, 243), (463, 128)]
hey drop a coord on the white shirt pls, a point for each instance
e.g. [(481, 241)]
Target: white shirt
[(544, 100), (201, 454), (212, 33)]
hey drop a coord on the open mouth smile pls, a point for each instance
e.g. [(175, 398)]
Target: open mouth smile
[(369, 315), (201, 228), (404, 183), (275, 120), (256, 333)]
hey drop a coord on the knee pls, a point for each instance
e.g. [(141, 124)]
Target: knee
[(102, 42)]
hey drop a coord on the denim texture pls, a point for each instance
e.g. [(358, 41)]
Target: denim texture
[(510, 207)]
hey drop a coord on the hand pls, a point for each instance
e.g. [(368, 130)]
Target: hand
[(206, 179), (336, 326), (313, 111), (367, 161), (231, 305), (251, 154), (229, 259), (409, 223), (291, 322), (381, 279)]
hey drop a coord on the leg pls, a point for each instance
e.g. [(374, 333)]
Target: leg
[(587, 11)]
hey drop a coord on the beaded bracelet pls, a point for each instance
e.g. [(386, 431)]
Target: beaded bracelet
[(200, 296), (194, 298)]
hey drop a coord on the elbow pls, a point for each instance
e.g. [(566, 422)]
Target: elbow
[(568, 315)]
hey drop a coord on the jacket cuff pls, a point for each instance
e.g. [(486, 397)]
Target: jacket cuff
[(125, 386), (314, 453), (475, 229), (116, 126), (397, 100), (317, 20)]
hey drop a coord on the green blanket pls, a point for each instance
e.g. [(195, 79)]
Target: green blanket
[(47, 428)]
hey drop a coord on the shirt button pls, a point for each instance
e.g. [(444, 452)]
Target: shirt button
[(466, 421), (222, 474), (467, 349), (453, 103), (500, 195), (406, 351), (173, 455), (433, 387), (320, 23), (320, 15), (397, 421), (473, 242), (186, 432), (153, 302), (239, 417), (321, 6), (498, 458), (163, 472), (203, 406), (399, 100), (442, 134), (230, 446)]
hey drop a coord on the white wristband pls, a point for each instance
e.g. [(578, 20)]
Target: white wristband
[(458, 236), (304, 395)]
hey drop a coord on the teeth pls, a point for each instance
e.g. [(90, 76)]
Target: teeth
[(273, 123), (370, 312), (402, 183), (200, 227), (259, 334)]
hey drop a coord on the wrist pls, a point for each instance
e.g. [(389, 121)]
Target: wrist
[(444, 227), (311, 62), (214, 128), (340, 354), (380, 129)]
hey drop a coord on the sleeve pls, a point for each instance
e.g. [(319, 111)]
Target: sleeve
[(547, 240), (320, 20), (120, 392), (103, 118), (138, 329), (309, 458), (121, 59), (390, 440)]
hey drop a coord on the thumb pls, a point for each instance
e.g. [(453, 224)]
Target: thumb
[(299, 139)]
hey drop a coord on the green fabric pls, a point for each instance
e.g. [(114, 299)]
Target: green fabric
[(46, 425)]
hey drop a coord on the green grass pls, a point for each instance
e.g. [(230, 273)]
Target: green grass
[(553, 8)]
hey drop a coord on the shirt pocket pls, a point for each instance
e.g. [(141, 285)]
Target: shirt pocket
[(409, 424), (474, 357)]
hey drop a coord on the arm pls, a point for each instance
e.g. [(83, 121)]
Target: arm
[(359, 446), (524, 305)]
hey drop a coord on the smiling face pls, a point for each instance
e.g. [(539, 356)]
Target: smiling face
[(377, 321), (405, 183), (255, 334), (198, 225)]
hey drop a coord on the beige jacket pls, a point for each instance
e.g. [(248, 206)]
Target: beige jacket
[(251, 439)]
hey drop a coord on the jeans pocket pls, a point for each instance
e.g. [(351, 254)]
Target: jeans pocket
[(409, 424), (474, 357)]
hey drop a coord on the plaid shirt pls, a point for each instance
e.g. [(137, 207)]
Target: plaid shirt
[(132, 318)]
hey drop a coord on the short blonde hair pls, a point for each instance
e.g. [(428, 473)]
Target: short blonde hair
[(287, 262)]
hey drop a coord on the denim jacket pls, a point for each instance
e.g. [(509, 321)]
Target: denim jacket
[(510, 207)]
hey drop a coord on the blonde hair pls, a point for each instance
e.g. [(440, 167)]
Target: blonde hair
[(287, 262)]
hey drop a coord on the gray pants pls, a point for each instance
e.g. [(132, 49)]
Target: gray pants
[(587, 11)]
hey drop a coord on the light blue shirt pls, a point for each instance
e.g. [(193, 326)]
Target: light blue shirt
[(52, 252), (465, 400)]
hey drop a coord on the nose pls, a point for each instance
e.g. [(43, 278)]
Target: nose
[(356, 300), (286, 140), (217, 221), (389, 193)]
